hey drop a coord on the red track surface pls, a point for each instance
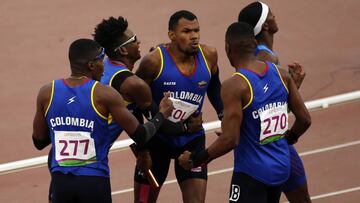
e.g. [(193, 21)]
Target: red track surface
[(323, 35)]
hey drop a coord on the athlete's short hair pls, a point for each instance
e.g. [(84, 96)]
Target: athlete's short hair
[(83, 50), (109, 32), (239, 30), (240, 36), (174, 19)]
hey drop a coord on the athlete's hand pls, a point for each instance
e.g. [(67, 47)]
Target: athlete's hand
[(194, 122), (144, 161), (184, 160), (297, 73), (166, 106)]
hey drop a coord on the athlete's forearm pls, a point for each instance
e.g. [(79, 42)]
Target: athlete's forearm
[(213, 93), (41, 143), (144, 132), (167, 126)]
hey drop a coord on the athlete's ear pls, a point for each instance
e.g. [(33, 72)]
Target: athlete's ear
[(123, 51), (227, 48), (91, 65), (171, 35), (265, 26)]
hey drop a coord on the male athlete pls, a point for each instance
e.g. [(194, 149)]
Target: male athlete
[(255, 123), (188, 70), (122, 49), (72, 114), (260, 16)]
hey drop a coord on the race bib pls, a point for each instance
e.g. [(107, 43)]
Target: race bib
[(182, 110), (74, 148), (274, 123)]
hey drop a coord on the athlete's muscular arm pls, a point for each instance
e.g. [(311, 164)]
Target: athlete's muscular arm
[(214, 87), (136, 90), (297, 106), (149, 67), (107, 100), (40, 135), (233, 95)]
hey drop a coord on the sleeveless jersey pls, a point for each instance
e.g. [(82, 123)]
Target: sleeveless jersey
[(263, 153), (79, 133), (190, 89), (110, 71)]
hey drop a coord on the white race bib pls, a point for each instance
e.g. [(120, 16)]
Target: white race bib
[(74, 148), (182, 110), (274, 123)]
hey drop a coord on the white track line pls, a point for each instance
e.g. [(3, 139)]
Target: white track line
[(334, 193), (316, 151)]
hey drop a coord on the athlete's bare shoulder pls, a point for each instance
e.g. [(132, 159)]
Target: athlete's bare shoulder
[(284, 75), (209, 51), (211, 57), (238, 86), (44, 95), (150, 66)]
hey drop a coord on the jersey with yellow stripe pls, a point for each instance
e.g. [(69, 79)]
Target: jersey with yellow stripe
[(110, 71), (263, 153), (188, 88), (79, 133)]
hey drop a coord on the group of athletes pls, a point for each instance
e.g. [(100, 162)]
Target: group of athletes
[(83, 114)]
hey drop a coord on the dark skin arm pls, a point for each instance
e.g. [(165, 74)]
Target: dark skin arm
[(40, 129), (234, 92), (108, 101), (215, 85), (297, 105), (136, 90)]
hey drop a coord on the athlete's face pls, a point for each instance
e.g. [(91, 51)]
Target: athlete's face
[(271, 21), (186, 35), (96, 65), (130, 45)]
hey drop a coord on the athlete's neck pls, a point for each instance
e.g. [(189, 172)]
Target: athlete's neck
[(243, 60), (266, 39), (122, 60), (179, 56)]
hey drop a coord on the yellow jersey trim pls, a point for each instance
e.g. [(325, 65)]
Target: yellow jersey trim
[(251, 90), (162, 63), (203, 55), (51, 96), (112, 78), (92, 101), (281, 78)]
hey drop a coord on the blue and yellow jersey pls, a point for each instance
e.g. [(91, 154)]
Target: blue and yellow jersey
[(189, 88), (79, 133), (263, 153)]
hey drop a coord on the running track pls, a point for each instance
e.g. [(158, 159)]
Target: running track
[(320, 34)]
